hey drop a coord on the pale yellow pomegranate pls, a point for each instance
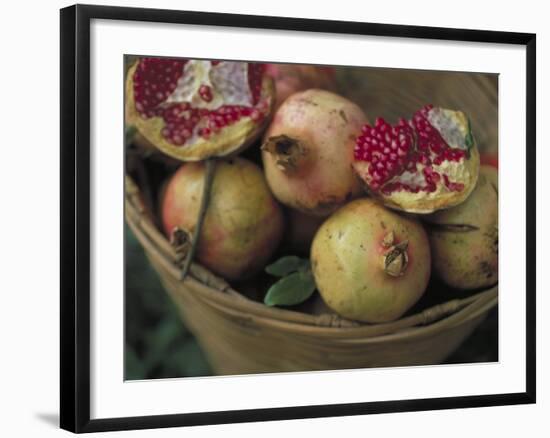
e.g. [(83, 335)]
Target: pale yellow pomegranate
[(464, 239), (369, 263), (243, 224)]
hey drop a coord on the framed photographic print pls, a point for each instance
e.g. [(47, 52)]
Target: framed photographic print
[(340, 225)]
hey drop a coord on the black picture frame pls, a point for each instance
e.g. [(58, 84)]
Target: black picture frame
[(75, 217)]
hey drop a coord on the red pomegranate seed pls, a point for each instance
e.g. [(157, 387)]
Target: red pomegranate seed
[(255, 75), (148, 79), (255, 115), (205, 93)]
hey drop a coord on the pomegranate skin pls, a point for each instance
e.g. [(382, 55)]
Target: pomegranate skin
[(467, 257), (308, 151), (291, 78), (243, 224), (349, 259), (147, 150)]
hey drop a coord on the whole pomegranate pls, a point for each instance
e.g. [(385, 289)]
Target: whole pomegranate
[(422, 165), (308, 151), (243, 224), (195, 109), (291, 78), (369, 263), (464, 239)]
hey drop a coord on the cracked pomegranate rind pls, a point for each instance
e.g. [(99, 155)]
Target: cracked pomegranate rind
[(196, 109), (420, 165)]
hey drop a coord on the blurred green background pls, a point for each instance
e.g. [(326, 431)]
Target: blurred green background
[(158, 345)]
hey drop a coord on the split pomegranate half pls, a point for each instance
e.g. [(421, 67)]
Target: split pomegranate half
[(421, 165), (196, 109)]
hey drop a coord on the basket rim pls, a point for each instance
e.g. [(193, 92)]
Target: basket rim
[(359, 334), (219, 295)]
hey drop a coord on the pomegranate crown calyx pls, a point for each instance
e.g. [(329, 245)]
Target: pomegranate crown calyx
[(288, 152), (396, 259)]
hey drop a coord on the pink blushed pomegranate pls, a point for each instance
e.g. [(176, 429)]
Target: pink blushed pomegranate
[(420, 165), (369, 263), (464, 239), (196, 109), (291, 78), (308, 151), (243, 224)]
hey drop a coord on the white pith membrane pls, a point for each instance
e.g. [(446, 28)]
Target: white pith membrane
[(410, 186), (188, 115), (456, 172), (227, 80), (451, 126)]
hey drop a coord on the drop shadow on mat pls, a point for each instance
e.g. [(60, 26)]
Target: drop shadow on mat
[(158, 345), (50, 418)]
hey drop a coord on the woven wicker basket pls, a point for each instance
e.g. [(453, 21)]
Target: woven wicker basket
[(241, 336)]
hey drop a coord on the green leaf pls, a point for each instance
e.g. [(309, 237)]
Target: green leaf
[(287, 264), (292, 289), (130, 133), (469, 136)]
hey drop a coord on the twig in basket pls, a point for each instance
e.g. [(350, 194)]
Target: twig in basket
[(205, 200)]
